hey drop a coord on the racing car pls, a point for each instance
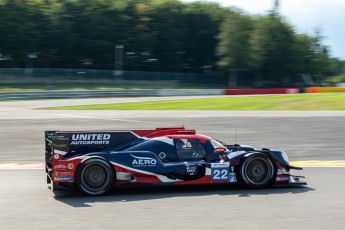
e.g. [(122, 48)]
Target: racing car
[(96, 161)]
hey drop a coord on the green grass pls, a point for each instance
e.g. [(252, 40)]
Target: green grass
[(326, 101)]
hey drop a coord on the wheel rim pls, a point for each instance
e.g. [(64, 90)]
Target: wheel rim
[(258, 171), (95, 177)]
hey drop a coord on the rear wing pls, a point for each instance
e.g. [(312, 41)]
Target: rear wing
[(48, 149)]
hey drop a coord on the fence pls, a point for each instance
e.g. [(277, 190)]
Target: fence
[(49, 78), (89, 76)]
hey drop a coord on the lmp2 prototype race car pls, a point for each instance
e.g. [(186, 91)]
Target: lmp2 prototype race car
[(97, 161)]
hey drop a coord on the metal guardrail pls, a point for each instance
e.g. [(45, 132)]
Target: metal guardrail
[(75, 94), (105, 93)]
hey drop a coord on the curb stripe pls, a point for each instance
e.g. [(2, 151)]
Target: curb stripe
[(318, 163), (14, 166)]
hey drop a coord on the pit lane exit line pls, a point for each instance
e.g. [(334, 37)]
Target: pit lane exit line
[(305, 164)]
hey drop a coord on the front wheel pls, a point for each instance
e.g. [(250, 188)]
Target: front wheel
[(257, 171), (95, 176)]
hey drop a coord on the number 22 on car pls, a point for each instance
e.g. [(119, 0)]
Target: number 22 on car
[(220, 172)]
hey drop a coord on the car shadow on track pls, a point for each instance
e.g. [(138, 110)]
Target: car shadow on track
[(131, 194)]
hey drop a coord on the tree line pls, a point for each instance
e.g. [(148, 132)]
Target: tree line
[(158, 35)]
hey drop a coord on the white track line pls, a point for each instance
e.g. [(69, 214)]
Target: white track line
[(113, 119)]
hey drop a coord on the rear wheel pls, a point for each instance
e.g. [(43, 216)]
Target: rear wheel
[(95, 176), (257, 171)]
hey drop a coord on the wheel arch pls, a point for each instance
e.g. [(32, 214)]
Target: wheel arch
[(236, 158), (278, 157), (96, 157), (267, 154)]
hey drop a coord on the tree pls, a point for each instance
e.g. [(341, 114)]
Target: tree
[(201, 29), (272, 52), (312, 57), (21, 27), (158, 35), (233, 47)]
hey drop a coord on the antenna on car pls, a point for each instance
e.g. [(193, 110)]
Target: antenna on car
[(236, 140)]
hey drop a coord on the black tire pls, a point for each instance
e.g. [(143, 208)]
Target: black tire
[(95, 176), (257, 171)]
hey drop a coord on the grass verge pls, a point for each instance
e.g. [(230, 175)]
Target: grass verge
[(303, 102)]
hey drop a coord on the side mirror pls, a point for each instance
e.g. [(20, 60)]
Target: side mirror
[(219, 150)]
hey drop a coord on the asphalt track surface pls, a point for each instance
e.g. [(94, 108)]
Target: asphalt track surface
[(27, 203)]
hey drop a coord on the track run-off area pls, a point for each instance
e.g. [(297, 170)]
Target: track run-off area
[(314, 140)]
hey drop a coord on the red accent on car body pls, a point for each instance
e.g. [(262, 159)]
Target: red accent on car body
[(200, 137), (158, 132)]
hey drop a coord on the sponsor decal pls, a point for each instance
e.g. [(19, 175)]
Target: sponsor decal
[(60, 167), (190, 170), (282, 171), (283, 178), (65, 174), (162, 155), (232, 177), (90, 139), (143, 161), (70, 166), (220, 165), (62, 173), (53, 137), (63, 178), (59, 152)]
